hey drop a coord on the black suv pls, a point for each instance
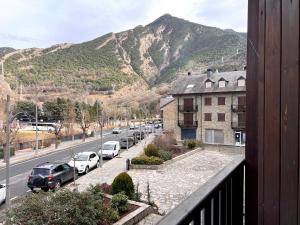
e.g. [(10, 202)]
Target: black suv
[(50, 176)]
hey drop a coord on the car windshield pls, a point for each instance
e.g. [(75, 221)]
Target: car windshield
[(108, 147), (81, 157), (40, 171)]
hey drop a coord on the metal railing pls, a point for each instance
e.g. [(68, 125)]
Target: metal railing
[(187, 124), (184, 108), (238, 108), (238, 125), (219, 201)]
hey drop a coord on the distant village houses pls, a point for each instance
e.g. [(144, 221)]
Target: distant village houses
[(210, 107)]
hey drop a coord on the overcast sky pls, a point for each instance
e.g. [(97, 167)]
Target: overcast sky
[(42, 23)]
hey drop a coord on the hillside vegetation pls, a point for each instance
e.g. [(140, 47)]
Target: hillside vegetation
[(153, 55)]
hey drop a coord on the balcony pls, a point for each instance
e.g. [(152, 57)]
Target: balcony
[(192, 108), (238, 108), (218, 201), (187, 124), (238, 125)]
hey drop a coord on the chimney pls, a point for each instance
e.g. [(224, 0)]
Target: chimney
[(209, 72), (189, 73)]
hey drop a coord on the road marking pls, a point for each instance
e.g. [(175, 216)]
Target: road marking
[(14, 198)]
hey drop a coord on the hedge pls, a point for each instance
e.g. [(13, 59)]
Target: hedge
[(145, 160), (12, 152)]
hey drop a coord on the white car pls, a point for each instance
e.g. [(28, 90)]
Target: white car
[(84, 161), (2, 193), (110, 149), (116, 130)]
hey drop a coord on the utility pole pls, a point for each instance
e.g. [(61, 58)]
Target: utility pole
[(36, 129), (7, 151), (127, 128), (101, 133)]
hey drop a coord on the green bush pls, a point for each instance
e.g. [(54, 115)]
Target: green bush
[(120, 202), (165, 155), (12, 152), (151, 150), (145, 160), (123, 183), (64, 208), (190, 143)]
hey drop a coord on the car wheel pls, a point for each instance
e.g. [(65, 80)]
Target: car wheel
[(98, 164), (46, 189), (87, 170)]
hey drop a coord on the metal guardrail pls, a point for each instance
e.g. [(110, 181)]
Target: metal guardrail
[(218, 202), (192, 108), (187, 124)]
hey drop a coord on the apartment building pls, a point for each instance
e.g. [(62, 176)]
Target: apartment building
[(211, 107)]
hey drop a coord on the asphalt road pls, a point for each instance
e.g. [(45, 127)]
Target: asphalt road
[(19, 172)]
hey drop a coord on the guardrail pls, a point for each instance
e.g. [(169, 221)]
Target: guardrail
[(218, 202)]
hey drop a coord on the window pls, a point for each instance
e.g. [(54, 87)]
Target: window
[(208, 84), (207, 101), (207, 116), (241, 82), (222, 83), (214, 136), (221, 100), (221, 117)]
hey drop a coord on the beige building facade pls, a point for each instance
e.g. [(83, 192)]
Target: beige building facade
[(213, 113)]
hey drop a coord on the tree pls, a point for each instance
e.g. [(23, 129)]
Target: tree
[(56, 110), (26, 107), (85, 115)]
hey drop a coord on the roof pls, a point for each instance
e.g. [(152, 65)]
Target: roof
[(165, 101), (195, 84), (111, 142), (84, 153), (48, 165)]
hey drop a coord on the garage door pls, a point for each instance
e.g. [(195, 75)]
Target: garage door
[(188, 134)]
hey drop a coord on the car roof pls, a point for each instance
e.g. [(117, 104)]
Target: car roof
[(111, 142), (49, 165), (85, 153)]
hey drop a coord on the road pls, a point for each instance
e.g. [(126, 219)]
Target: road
[(19, 172)]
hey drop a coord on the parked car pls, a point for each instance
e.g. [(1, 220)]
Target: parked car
[(50, 176), (116, 130), (131, 127), (140, 135), (123, 142), (157, 125), (110, 149), (2, 193), (84, 161), (148, 129)]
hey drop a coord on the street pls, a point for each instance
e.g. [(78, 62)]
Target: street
[(19, 172)]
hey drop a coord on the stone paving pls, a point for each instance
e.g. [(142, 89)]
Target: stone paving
[(175, 182)]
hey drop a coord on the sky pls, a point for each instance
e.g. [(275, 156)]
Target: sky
[(42, 23)]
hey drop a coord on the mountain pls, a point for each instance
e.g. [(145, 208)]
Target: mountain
[(151, 55)]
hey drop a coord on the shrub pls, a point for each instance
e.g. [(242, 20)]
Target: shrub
[(120, 202), (96, 190), (165, 141), (165, 155), (190, 143), (12, 152), (63, 207), (106, 188), (145, 160), (151, 150), (123, 182)]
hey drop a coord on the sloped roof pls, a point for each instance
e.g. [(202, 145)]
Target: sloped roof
[(195, 84), (165, 101)]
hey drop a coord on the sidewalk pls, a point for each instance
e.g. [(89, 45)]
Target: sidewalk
[(27, 154), (112, 168)]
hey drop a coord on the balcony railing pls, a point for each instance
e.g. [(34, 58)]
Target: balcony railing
[(187, 124), (238, 125), (219, 201), (192, 108), (238, 108)]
